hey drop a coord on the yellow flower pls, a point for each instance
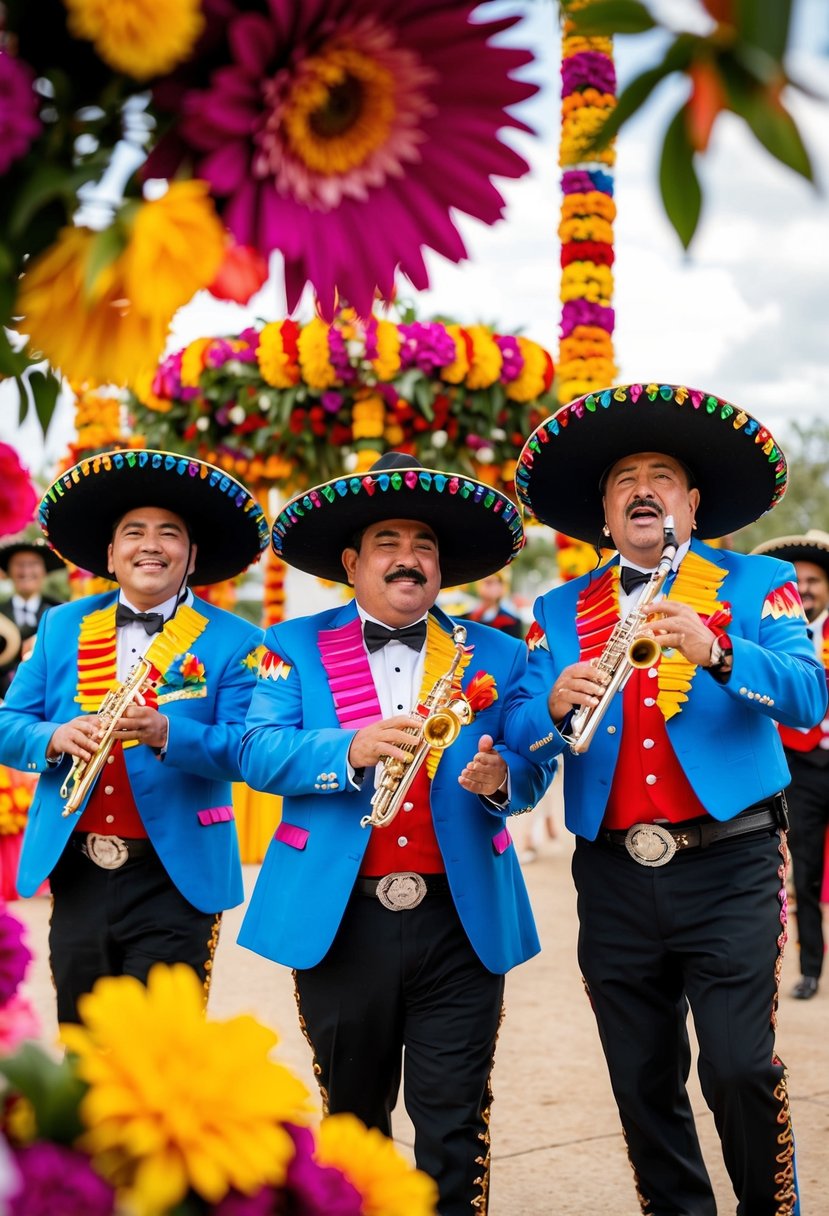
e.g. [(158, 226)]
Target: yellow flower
[(140, 37), (91, 337), (312, 344), (110, 330), (388, 1184), (487, 360), (192, 362), (455, 372), (387, 363), (276, 364), (530, 383), (176, 1101), (160, 270), (368, 417)]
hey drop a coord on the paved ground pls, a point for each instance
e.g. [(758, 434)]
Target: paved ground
[(556, 1141)]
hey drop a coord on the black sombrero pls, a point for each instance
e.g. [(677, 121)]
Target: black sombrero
[(11, 546), (812, 546), (737, 466), (478, 528), (79, 510)]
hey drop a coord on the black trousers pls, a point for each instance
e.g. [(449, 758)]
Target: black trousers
[(808, 799), (409, 981), (703, 931), (121, 922)]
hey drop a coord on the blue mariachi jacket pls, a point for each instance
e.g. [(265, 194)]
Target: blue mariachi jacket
[(724, 735), (185, 799), (293, 739)]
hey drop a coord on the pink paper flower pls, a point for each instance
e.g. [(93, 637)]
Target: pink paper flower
[(18, 1022), (19, 123), (18, 497), (15, 955), (342, 132)]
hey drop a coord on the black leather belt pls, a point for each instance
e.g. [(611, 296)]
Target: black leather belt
[(404, 890), (654, 844)]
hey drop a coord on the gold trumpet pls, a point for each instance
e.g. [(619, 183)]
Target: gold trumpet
[(84, 773), (442, 716)]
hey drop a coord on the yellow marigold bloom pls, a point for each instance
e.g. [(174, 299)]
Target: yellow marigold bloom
[(192, 362), (585, 228), (368, 418), (393, 435), (99, 338), (487, 360), (276, 364), (143, 389), (456, 372), (387, 363), (142, 38), (176, 1101), (314, 359), (530, 383), (161, 271), (574, 44), (388, 1184), (592, 203), (366, 457)]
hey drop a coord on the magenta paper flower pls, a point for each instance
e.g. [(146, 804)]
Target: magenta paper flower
[(18, 1022), (15, 955), (341, 132), (18, 497), (19, 123), (55, 1181)]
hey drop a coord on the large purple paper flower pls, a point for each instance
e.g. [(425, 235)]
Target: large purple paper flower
[(19, 123), (341, 132)]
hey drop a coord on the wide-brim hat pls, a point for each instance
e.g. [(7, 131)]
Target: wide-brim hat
[(736, 463), (79, 510), (478, 528), (11, 546), (812, 546)]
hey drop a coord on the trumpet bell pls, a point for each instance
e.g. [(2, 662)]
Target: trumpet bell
[(643, 652)]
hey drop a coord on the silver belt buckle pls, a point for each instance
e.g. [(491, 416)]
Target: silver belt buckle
[(398, 892), (650, 844), (108, 852)]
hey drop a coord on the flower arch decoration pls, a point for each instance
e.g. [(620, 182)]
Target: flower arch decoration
[(288, 405)]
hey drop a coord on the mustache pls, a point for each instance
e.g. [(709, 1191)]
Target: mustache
[(406, 572), (650, 503)]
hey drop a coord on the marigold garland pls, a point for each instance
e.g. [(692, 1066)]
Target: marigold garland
[(586, 359), (291, 404)]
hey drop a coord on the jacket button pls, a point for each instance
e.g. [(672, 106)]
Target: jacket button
[(402, 841), (611, 730), (650, 779)]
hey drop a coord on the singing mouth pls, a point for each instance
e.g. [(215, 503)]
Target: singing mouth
[(644, 510)]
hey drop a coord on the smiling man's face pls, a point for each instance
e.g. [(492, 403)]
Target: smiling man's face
[(639, 492), (150, 555), (395, 573)]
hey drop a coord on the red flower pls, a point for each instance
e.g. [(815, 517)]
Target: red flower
[(481, 691), (18, 497), (241, 274)]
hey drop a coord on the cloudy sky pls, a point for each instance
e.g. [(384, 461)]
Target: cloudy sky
[(744, 315)]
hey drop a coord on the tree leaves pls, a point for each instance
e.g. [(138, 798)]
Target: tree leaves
[(678, 182)]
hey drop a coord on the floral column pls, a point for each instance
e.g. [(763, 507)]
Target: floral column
[(586, 360)]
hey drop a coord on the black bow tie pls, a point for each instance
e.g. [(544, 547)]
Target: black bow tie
[(153, 622), (631, 579), (376, 635)]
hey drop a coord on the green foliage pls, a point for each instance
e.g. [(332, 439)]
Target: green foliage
[(51, 1086), (743, 63), (806, 501)]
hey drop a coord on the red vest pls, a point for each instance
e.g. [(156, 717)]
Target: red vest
[(648, 783), (111, 808), (409, 842)]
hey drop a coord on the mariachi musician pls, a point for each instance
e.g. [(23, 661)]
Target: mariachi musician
[(674, 769), (393, 890), (143, 859)]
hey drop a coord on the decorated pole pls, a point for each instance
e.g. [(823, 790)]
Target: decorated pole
[(586, 360)]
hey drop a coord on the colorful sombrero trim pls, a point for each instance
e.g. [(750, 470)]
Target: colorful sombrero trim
[(178, 466), (704, 403), (396, 480)]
